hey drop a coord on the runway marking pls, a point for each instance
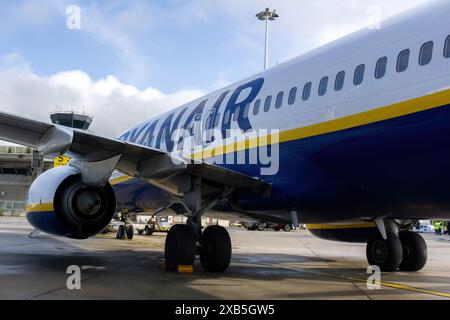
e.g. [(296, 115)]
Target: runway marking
[(383, 283), (401, 287)]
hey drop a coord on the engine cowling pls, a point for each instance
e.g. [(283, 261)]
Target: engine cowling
[(60, 204)]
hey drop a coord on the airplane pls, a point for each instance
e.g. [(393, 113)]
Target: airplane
[(352, 139)]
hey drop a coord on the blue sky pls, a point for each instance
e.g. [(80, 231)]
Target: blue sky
[(152, 55), (173, 44)]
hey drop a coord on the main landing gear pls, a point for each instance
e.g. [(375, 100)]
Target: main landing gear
[(396, 249), (185, 242), (214, 248)]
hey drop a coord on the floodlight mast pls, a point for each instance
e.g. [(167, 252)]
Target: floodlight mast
[(266, 16)]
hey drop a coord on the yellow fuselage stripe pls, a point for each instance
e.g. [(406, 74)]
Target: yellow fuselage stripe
[(40, 207), (340, 226), (384, 113), (119, 180), (427, 102)]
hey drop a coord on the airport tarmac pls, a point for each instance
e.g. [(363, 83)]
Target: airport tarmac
[(265, 265)]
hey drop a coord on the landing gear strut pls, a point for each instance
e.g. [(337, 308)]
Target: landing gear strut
[(395, 249), (184, 242)]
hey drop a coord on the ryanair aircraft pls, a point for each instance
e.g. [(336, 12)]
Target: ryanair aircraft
[(352, 139)]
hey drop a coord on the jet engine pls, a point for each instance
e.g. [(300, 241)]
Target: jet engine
[(59, 203)]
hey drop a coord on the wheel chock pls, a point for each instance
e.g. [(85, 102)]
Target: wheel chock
[(180, 268), (186, 269)]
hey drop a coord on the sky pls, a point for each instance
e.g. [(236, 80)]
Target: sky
[(124, 61)]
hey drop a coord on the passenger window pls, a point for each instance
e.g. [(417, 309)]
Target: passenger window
[(216, 120), (267, 103), (447, 48), (380, 69), (359, 75), (246, 110), (227, 117), (279, 101), (306, 91), (339, 84), (426, 53), (208, 122), (256, 107), (323, 86), (403, 60), (292, 96), (236, 113)]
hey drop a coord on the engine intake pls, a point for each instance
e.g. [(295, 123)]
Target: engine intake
[(59, 203)]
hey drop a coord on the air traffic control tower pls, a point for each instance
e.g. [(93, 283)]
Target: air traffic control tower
[(72, 119)]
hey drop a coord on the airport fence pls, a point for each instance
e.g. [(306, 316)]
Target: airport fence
[(12, 208)]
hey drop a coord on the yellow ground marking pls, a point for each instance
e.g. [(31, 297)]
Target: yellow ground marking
[(392, 285), (402, 287)]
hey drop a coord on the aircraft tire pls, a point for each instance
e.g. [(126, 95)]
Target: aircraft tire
[(129, 230), (261, 227), (287, 227), (215, 253), (180, 247), (148, 231), (386, 254), (415, 252), (121, 233)]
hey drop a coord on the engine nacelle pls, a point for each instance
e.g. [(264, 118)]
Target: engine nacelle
[(60, 204)]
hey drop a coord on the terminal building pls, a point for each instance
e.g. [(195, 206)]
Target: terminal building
[(20, 166)]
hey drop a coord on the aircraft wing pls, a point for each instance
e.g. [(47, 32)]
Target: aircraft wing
[(137, 161)]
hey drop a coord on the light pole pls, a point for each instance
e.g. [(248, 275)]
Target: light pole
[(266, 16)]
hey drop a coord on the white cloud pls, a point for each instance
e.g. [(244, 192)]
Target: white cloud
[(115, 106)]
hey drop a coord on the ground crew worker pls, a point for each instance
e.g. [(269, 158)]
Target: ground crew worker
[(437, 228)]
